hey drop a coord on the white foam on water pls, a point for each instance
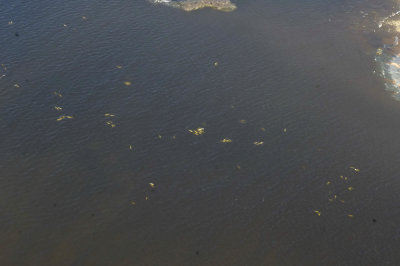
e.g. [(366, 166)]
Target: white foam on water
[(388, 62), (380, 24), (390, 72)]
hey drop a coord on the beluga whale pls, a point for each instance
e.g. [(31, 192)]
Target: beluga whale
[(191, 5)]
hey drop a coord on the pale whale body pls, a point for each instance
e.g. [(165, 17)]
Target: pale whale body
[(190, 5)]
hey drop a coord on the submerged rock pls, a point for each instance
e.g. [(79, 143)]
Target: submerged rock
[(191, 5)]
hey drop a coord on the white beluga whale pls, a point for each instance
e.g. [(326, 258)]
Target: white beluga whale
[(190, 5)]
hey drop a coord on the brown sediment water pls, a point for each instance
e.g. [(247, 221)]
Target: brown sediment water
[(262, 136)]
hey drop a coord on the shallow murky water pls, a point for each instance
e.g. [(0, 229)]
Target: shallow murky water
[(138, 134)]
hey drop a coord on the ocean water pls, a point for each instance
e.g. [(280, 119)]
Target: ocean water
[(115, 177)]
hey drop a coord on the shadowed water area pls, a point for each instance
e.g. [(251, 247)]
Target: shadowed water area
[(133, 133)]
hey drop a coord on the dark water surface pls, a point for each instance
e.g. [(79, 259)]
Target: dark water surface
[(72, 192)]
